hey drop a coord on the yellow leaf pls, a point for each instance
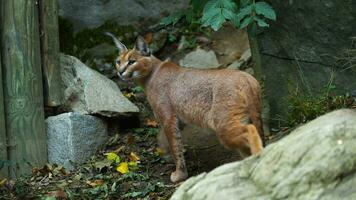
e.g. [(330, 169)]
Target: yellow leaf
[(2, 182), (133, 157), (95, 183), (129, 95), (111, 156), (160, 151), (123, 168), (132, 164)]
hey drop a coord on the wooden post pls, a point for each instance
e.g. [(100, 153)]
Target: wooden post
[(53, 87), (3, 143), (23, 92)]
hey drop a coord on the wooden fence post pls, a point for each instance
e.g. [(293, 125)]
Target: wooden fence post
[(53, 87), (23, 92), (3, 143)]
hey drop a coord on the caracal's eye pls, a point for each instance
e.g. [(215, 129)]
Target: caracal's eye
[(117, 61), (131, 62)]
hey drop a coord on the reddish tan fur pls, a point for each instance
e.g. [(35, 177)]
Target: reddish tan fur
[(226, 101)]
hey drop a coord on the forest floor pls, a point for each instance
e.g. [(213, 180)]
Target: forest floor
[(105, 176)]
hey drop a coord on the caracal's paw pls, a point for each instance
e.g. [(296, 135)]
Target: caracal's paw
[(178, 176)]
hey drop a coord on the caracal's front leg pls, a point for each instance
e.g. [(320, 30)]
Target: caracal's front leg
[(170, 128)]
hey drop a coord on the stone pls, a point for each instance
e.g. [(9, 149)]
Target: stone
[(229, 44), (315, 161), (89, 92), (93, 13), (72, 138), (303, 49), (200, 59)]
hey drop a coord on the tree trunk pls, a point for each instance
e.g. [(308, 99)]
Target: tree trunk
[(53, 88), (3, 146), (23, 92), (255, 52)]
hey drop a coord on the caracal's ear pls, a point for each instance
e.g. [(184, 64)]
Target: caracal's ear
[(118, 44), (142, 47)]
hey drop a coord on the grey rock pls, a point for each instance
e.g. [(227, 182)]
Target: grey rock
[(316, 161), (89, 92), (316, 33), (242, 61), (72, 138), (93, 13), (200, 59)]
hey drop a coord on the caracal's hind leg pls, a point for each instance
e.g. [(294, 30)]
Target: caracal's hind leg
[(170, 128), (238, 136)]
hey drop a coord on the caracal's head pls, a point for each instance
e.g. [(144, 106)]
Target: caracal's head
[(133, 64)]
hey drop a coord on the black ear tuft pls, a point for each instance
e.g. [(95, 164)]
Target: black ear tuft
[(142, 46), (118, 44)]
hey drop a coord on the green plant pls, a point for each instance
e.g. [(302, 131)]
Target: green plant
[(215, 13), (305, 107)]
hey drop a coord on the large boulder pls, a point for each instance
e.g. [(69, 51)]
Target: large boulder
[(316, 161), (305, 47), (89, 92), (72, 138), (93, 13)]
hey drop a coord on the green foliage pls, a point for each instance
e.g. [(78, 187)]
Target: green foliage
[(305, 107), (214, 13)]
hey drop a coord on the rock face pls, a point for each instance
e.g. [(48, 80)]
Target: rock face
[(93, 13), (72, 138), (316, 161), (88, 92), (200, 59), (304, 46)]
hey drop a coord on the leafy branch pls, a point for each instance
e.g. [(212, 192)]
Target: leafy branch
[(214, 13)]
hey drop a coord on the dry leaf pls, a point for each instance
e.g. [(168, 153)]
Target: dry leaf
[(58, 194), (123, 168), (160, 151), (151, 123), (95, 183), (2, 182), (129, 95), (134, 157)]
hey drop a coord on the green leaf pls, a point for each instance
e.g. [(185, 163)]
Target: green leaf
[(228, 14), (246, 11), (244, 3), (261, 22), (216, 24), (263, 8), (246, 22), (216, 12)]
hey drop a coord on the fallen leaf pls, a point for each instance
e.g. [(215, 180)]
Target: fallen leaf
[(101, 164), (118, 150), (160, 151), (95, 183), (129, 95), (123, 168), (132, 164), (151, 123), (2, 182), (130, 140), (134, 157), (58, 194), (113, 157)]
